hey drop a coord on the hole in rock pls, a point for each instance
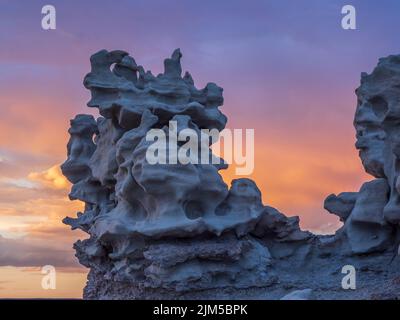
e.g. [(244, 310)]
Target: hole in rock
[(222, 209), (193, 209), (379, 106)]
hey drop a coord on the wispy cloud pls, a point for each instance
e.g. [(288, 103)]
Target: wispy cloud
[(51, 178), (27, 252)]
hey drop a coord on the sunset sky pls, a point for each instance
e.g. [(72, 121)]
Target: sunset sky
[(288, 70)]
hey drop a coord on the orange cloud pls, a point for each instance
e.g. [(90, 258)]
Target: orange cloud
[(51, 178)]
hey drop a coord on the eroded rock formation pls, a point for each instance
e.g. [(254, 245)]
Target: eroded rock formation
[(372, 215), (162, 229)]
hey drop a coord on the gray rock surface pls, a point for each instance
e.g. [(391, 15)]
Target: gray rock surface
[(298, 295), (378, 132), (176, 231), (371, 224), (341, 204), (162, 228)]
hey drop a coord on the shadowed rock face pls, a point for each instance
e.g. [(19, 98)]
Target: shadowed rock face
[(372, 215), (162, 228), (377, 122), (341, 204), (177, 231)]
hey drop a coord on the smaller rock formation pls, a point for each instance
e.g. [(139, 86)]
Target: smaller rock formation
[(371, 216), (341, 205)]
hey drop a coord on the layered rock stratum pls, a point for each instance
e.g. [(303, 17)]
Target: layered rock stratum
[(176, 231)]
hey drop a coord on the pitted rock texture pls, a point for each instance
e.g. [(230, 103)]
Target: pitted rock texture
[(126, 91), (176, 231), (372, 215), (162, 227)]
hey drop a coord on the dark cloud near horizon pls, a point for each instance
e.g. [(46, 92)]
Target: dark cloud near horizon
[(23, 253)]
